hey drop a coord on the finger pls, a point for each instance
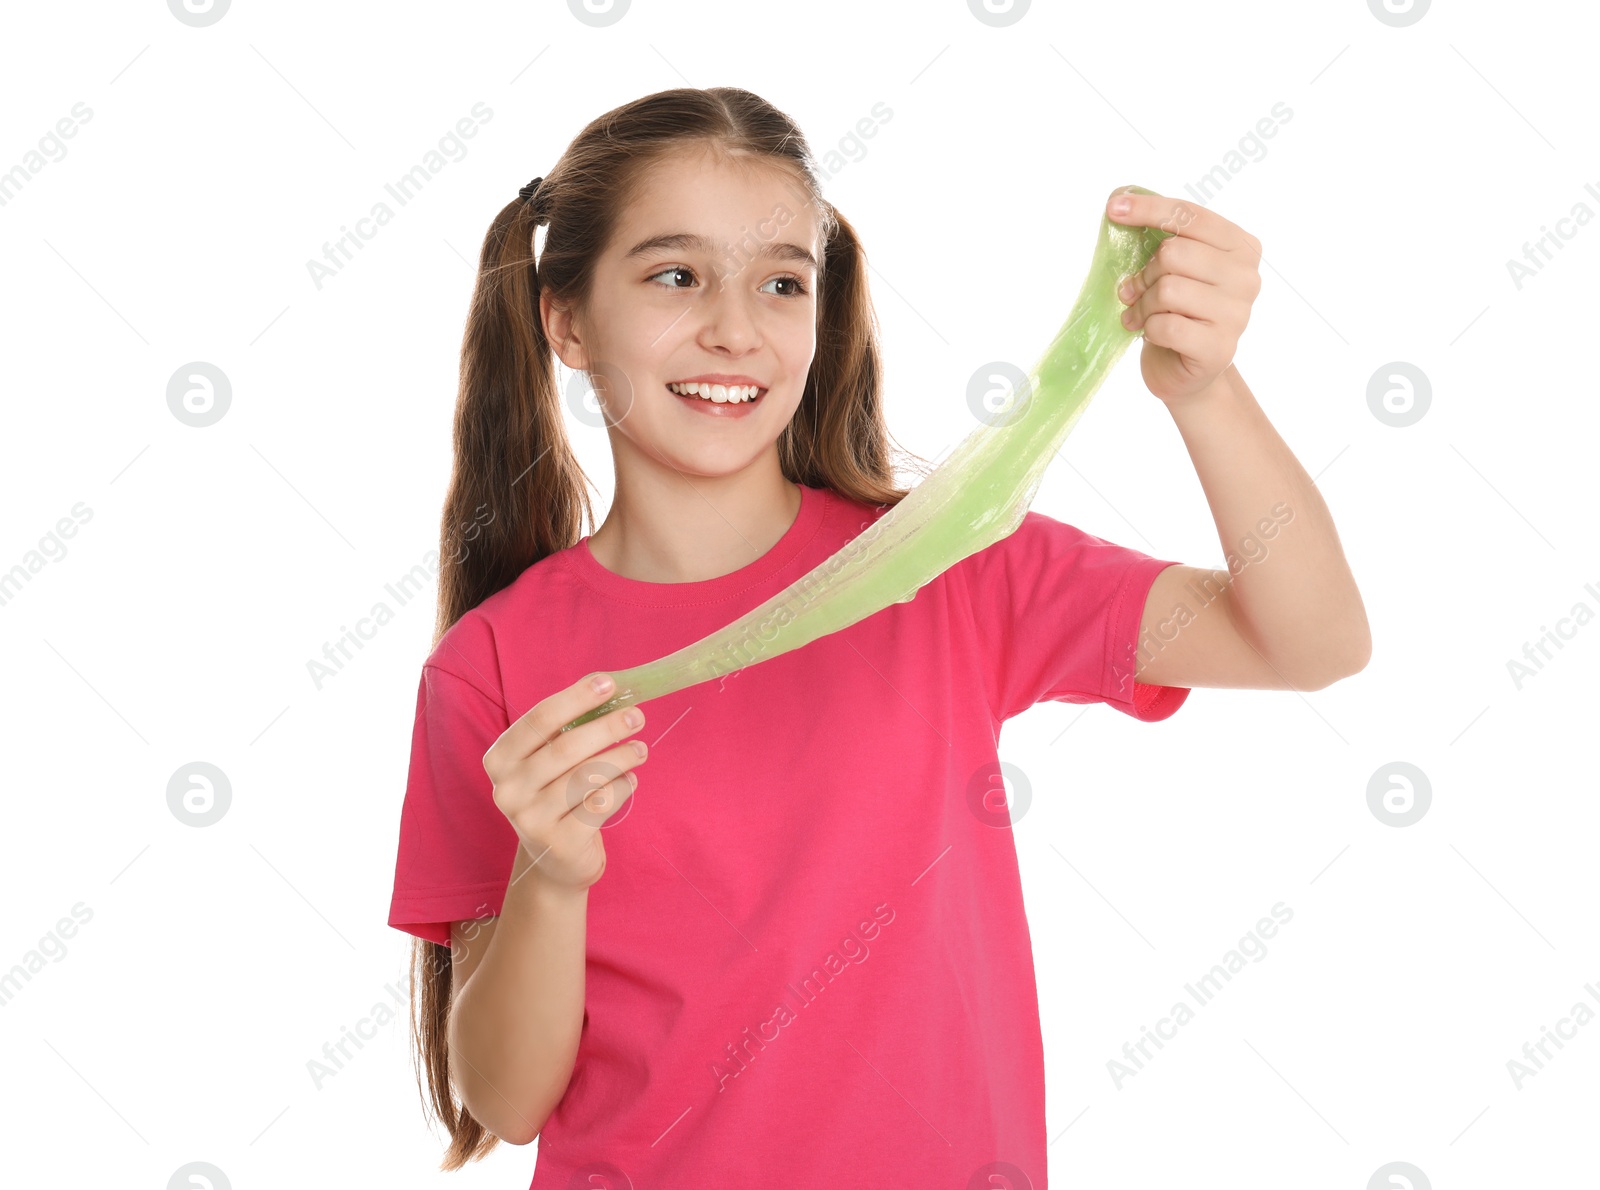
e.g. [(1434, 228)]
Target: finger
[(558, 776), (1182, 257), (1174, 295), (595, 788), (544, 720), (1188, 338), (571, 748), (1181, 218)]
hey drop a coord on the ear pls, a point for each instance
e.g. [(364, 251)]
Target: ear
[(561, 331)]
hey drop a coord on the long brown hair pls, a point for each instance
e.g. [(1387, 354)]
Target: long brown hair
[(512, 456)]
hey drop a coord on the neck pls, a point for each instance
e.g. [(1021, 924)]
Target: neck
[(668, 527)]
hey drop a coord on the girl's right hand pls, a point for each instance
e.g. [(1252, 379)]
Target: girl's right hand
[(558, 788)]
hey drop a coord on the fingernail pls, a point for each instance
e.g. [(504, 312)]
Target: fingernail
[(600, 683), (1125, 292), (632, 718), (1121, 205), (638, 748)]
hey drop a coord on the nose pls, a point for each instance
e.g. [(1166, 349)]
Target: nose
[(730, 318)]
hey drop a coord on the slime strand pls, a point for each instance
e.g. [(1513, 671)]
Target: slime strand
[(974, 498)]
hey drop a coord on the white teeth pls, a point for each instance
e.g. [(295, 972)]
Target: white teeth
[(722, 394)]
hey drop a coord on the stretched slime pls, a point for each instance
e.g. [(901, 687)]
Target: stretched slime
[(977, 496)]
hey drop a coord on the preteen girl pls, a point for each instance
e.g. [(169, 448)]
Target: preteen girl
[(789, 948)]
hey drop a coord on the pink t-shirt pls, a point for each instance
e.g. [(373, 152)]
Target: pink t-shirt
[(808, 961)]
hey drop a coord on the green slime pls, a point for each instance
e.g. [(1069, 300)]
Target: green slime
[(974, 498)]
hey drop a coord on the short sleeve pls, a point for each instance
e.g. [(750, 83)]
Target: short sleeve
[(456, 848), (1057, 614)]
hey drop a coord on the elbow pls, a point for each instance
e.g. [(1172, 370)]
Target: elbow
[(1346, 649), (510, 1125), (1357, 649), (528, 1128), (1346, 662), (521, 1138), (1363, 654), (1357, 652), (489, 1098)]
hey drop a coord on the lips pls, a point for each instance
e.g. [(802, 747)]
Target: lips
[(724, 409)]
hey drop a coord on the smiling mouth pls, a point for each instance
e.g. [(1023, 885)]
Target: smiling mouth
[(720, 394)]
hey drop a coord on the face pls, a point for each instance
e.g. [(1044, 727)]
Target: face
[(710, 278)]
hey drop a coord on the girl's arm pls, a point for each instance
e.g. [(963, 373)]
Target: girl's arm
[(517, 1018), (1286, 613)]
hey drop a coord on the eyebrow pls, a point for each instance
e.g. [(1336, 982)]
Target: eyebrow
[(684, 241)]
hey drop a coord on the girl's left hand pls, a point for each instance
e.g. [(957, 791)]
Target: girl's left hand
[(1193, 297)]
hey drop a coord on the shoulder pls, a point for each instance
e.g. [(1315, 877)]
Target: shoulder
[(1039, 542), (472, 648), (468, 651), (845, 517), (1038, 539)]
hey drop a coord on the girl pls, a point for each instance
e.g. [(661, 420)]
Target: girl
[(810, 960)]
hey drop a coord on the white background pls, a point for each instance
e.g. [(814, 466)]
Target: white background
[(176, 1024)]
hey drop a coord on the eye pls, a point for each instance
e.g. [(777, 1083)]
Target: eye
[(799, 286), (673, 269)]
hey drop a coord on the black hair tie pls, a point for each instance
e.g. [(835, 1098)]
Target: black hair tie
[(528, 191)]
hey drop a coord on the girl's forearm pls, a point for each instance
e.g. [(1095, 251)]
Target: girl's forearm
[(1293, 595), (515, 1025)]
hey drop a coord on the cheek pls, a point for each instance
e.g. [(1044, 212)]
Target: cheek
[(785, 412), (613, 386), (798, 350)]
